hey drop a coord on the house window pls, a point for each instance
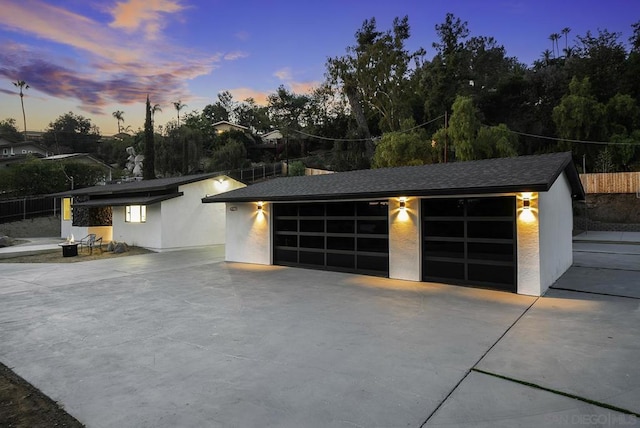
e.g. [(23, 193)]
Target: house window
[(66, 209), (135, 214), (5, 151), (24, 152)]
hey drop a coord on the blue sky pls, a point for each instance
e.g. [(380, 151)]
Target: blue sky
[(94, 57)]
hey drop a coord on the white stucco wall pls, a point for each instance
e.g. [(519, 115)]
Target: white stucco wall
[(187, 222), (404, 240), (556, 227), (248, 237), (148, 234), (65, 228)]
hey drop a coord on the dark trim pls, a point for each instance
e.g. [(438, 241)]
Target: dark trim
[(132, 200)]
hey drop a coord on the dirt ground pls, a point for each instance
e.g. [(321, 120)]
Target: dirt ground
[(55, 256), (21, 404)]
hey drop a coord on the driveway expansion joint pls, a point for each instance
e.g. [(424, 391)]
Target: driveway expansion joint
[(574, 290), (558, 392)]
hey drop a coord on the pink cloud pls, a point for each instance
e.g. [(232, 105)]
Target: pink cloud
[(283, 74), (304, 87), (147, 15)]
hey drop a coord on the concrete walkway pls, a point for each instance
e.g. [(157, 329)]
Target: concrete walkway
[(184, 339), (31, 246), (608, 237)]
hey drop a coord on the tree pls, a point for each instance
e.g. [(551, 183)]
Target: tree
[(148, 171), (72, 133), (496, 142), (22, 85), (579, 116), (179, 106), (374, 76), (156, 108), (404, 148), (231, 155), (463, 128), (566, 31), (119, 115), (8, 130)]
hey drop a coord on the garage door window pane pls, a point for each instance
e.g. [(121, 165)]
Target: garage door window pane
[(490, 229), (373, 227), (311, 241), (373, 208), (311, 209), (341, 209), (378, 264), (491, 207), (452, 228), (287, 225), (309, 258), (374, 245), (287, 240), (285, 210), (311, 225), (440, 269), (341, 226), (334, 243), (341, 260), (491, 273), (482, 251), (443, 207), (285, 256), (444, 249)]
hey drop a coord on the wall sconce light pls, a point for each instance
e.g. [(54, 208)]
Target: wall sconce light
[(402, 204), (526, 203), (259, 206)]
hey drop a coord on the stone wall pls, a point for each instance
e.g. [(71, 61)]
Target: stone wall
[(605, 211)]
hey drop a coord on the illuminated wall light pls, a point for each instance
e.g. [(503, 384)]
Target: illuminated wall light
[(526, 203), (259, 206), (403, 204)]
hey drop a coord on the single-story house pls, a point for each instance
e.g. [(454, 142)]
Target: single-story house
[(84, 158), (224, 126), (159, 214), (496, 223), (16, 148)]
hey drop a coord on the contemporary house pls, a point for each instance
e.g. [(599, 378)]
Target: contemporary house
[(159, 214), (498, 223)]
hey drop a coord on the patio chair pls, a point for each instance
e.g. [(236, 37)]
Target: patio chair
[(90, 241)]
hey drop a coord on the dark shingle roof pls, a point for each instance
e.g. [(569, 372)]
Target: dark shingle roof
[(142, 186), (517, 174), (127, 200)]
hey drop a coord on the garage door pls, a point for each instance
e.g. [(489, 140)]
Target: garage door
[(341, 236), (470, 241)]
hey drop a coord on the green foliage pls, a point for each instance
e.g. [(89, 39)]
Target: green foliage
[(231, 155), (296, 168), (496, 142), (579, 115), (8, 130), (463, 129), (72, 133), (149, 166), (404, 148)]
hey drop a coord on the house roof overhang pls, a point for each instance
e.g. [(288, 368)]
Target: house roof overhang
[(127, 200)]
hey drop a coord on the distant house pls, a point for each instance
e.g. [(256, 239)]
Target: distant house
[(271, 137), (497, 223), (158, 214), (224, 126), (11, 148), (83, 158)]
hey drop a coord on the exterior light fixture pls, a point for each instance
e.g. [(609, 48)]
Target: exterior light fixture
[(403, 204), (526, 203), (259, 206)]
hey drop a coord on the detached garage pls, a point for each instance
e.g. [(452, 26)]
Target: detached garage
[(502, 223)]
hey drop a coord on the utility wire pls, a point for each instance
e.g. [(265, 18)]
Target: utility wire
[(365, 139), (570, 140)]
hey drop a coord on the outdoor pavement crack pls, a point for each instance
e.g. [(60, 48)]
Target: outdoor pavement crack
[(595, 292)]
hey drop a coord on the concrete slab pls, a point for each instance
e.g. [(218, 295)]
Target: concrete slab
[(182, 339), (583, 344), (598, 280), (483, 401), (608, 236)]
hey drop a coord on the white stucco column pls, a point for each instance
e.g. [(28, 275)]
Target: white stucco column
[(404, 239), (248, 238), (528, 238)]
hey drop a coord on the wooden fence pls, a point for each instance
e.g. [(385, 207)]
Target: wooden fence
[(616, 182)]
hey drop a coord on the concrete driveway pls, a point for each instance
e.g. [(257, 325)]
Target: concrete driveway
[(184, 339)]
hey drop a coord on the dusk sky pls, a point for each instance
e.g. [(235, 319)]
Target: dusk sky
[(94, 57)]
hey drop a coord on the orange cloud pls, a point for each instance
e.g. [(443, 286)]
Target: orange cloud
[(304, 87), (260, 97), (133, 15), (283, 74)]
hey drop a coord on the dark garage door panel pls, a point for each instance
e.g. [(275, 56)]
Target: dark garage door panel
[(341, 236), (470, 241)]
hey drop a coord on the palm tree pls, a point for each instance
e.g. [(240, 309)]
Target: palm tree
[(179, 106), (22, 85), (566, 31), (554, 43), (546, 56), (118, 115), (154, 109)]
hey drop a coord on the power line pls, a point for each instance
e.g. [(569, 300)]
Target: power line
[(569, 140), (365, 139)]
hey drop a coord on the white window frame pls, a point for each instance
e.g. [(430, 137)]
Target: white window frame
[(135, 214)]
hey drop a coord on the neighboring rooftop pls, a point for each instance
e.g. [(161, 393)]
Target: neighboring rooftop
[(502, 175)]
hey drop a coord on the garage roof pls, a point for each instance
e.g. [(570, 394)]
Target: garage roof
[(517, 174), (127, 200)]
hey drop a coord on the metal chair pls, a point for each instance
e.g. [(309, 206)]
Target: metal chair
[(90, 241)]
